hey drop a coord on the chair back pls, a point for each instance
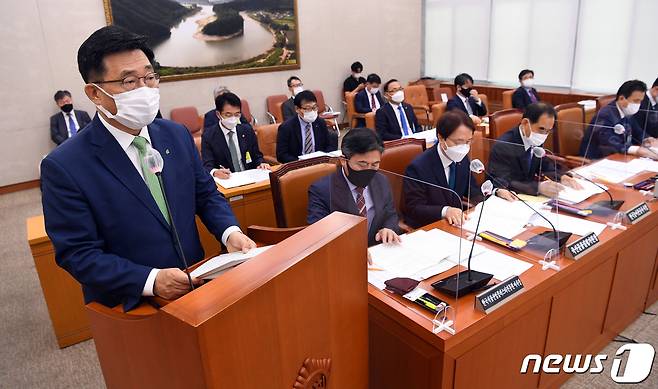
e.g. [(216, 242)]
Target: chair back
[(602, 101), (569, 128), (351, 109), (246, 111), (370, 120), (485, 99), (439, 92), (290, 186), (322, 105), (507, 99), (480, 148), (274, 103), (266, 136), (187, 116), (437, 111), (416, 96), (502, 121), (398, 154)]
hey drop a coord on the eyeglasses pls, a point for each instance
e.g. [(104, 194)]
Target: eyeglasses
[(131, 82), (544, 130), (396, 90), (309, 108), (296, 85)]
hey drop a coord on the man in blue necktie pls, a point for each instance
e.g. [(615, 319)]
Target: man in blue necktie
[(395, 119), (68, 122)]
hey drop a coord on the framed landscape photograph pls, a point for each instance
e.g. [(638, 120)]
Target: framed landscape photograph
[(211, 38)]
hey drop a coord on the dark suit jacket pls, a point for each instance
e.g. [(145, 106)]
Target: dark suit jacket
[(362, 101), (647, 118), (215, 151), (107, 229), (508, 164), (423, 200), (210, 119), (289, 139), (332, 193), (288, 109), (456, 103), (58, 130), (351, 83), (386, 122), (600, 139), (521, 99)]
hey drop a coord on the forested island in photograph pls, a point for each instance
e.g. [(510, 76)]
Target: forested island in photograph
[(201, 38)]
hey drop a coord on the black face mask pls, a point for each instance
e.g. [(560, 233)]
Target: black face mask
[(360, 178), (67, 108), (466, 92)]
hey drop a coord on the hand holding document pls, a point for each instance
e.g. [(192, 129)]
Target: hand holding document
[(216, 266), (242, 178)]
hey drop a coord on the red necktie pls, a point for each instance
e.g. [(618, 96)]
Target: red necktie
[(361, 202), (374, 105)]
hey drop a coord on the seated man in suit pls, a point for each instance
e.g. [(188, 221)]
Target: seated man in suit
[(355, 82), (467, 99), (210, 119), (602, 139), (295, 86), (67, 123), (304, 133), (525, 94), (104, 209), (396, 118), (445, 165), (357, 188), (512, 160), (230, 146), (369, 99), (647, 116)]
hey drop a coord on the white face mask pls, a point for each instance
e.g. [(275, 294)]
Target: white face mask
[(297, 90), (358, 75), (528, 82), (230, 122), (631, 109), (136, 108), (537, 139), (398, 97), (457, 153), (373, 90), (310, 117)]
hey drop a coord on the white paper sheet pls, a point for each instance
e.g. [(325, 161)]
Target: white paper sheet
[(502, 217), (644, 164), (242, 178), (576, 196), (224, 262), (568, 224), (610, 171), (498, 264), (429, 136), (336, 153)]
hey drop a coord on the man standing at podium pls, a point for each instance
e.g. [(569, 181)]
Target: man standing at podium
[(105, 211)]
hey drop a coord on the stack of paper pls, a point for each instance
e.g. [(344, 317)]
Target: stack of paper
[(644, 164), (336, 153), (242, 178), (575, 196), (429, 136), (214, 267), (502, 217), (568, 223), (611, 171)]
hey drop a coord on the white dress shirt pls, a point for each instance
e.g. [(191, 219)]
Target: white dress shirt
[(303, 125), (397, 116), (125, 140), (651, 99), (235, 142), (370, 212), (370, 97), (445, 161), (75, 120), (631, 149)]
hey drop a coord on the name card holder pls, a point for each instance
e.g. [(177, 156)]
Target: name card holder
[(638, 212), (496, 296), (582, 246)]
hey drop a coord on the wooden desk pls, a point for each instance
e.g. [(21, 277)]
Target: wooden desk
[(577, 310), (252, 204)]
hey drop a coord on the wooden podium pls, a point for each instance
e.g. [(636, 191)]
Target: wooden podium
[(295, 316)]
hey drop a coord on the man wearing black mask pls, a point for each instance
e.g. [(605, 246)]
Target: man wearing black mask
[(357, 188), (67, 123)]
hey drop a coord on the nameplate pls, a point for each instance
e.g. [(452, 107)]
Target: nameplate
[(638, 213), (235, 198), (496, 296), (582, 246)]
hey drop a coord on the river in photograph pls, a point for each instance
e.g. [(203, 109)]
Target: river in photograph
[(183, 49)]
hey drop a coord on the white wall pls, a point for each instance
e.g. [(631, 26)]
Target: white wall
[(39, 41)]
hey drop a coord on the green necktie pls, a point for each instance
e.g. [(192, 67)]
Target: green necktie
[(150, 178)]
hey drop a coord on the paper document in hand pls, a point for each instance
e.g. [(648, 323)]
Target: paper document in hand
[(566, 223), (575, 196), (610, 171), (242, 178), (502, 217), (215, 266)]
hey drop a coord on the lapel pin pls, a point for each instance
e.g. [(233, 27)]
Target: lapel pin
[(167, 151)]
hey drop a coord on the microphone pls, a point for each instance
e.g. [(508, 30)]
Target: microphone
[(612, 204), (154, 163), (487, 190)]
